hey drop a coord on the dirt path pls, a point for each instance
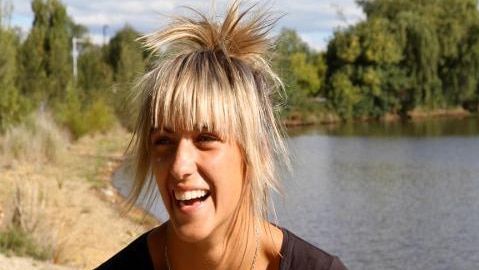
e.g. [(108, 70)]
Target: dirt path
[(72, 204), (19, 263)]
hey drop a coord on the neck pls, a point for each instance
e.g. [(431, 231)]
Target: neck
[(231, 249)]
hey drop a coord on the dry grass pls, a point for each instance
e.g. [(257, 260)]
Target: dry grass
[(66, 203), (37, 140), (27, 229)]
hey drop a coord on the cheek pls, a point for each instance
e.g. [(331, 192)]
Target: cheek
[(162, 184), (232, 176), (160, 173)]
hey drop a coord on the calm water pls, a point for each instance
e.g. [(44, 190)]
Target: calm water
[(396, 196)]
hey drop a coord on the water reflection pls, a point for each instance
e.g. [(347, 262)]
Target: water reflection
[(439, 127)]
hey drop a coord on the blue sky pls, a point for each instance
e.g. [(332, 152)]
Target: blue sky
[(314, 20)]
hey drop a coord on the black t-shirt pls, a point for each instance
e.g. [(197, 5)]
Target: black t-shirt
[(296, 254), (299, 254)]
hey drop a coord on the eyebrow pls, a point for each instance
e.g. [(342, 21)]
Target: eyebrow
[(168, 130)]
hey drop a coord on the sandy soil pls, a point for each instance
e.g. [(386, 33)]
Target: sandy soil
[(71, 205)]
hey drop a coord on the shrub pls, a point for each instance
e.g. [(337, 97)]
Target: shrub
[(16, 241), (99, 117), (82, 119), (28, 231), (36, 139)]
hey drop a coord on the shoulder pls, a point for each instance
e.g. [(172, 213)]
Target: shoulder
[(298, 254), (133, 256)]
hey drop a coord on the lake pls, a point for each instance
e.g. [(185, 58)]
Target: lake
[(385, 196)]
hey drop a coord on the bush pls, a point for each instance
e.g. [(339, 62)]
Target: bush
[(18, 242), (36, 139), (85, 119), (99, 117)]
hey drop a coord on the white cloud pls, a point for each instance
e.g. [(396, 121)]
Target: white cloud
[(314, 20)]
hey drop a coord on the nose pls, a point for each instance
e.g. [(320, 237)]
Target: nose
[(184, 163)]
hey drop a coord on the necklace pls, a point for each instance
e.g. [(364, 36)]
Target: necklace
[(253, 265)]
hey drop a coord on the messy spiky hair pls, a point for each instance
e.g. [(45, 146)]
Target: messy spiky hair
[(215, 75)]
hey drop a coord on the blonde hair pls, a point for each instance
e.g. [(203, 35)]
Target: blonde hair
[(218, 76)]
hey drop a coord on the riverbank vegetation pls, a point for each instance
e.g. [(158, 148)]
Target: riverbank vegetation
[(406, 59)]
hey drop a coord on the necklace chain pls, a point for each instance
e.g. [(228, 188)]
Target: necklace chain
[(253, 265), (166, 257)]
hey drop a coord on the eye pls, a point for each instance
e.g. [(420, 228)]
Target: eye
[(207, 137), (162, 140)]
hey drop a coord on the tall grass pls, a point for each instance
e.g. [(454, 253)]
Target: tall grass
[(28, 232), (37, 139), (18, 242)]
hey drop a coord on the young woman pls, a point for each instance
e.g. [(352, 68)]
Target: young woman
[(208, 136)]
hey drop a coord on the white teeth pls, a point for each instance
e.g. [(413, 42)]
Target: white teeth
[(189, 195)]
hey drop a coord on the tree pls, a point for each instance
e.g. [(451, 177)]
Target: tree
[(126, 55), (95, 76), (366, 56), (126, 58), (45, 55), (301, 68), (305, 74), (406, 55), (12, 105)]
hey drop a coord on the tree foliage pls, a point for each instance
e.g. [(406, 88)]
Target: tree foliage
[(12, 104), (45, 55), (36, 73), (303, 71), (406, 55), (126, 57)]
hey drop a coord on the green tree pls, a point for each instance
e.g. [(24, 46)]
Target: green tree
[(12, 105), (302, 70), (406, 55), (126, 57), (45, 55), (305, 74), (367, 54), (95, 76)]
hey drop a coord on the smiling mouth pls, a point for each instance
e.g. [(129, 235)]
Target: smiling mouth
[(190, 198)]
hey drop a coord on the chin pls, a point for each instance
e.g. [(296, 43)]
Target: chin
[(191, 233)]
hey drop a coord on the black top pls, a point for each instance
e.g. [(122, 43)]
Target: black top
[(299, 254), (296, 254)]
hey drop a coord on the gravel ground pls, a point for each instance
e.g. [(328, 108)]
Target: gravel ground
[(20, 263)]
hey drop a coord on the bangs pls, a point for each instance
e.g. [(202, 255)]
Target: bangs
[(194, 93)]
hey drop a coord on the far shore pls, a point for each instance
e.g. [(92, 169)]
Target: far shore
[(414, 115)]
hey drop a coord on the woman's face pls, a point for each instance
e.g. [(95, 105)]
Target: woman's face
[(200, 177)]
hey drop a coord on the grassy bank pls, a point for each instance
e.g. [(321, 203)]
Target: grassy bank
[(62, 205)]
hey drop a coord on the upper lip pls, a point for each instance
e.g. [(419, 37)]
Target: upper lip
[(181, 196), (178, 189)]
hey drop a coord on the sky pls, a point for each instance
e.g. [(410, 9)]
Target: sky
[(313, 20)]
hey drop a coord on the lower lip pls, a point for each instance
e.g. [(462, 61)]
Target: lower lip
[(191, 208)]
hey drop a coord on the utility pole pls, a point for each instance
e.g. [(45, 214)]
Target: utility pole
[(75, 42), (105, 27)]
